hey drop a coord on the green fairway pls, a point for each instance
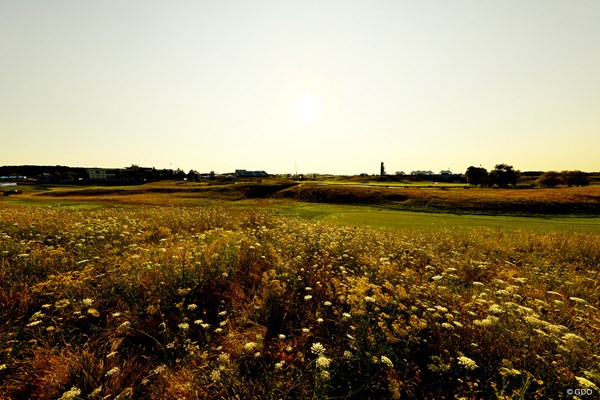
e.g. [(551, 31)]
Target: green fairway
[(376, 217)]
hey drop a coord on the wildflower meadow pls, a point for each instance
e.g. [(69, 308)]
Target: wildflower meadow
[(157, 302)]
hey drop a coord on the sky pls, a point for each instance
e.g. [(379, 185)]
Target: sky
[(328, 86)]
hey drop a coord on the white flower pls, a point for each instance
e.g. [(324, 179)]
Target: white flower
[(467, 362), (323, 362), (281, 336), (70, 394), (215, 375), (184, 326), (327, 304), (307, 297), (387, 361), (87, 302), (279, 365), (192, 307), (369, 299), (112, 371), (496, 309), (223, 358), (250, 346), (317, 348)]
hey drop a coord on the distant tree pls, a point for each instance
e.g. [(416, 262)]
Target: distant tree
[(179, 174), (549, 179), (503, 175), (192, 175), (575, 178), (476, 176)]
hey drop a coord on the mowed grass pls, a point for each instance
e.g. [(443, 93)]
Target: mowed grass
[(385, 218), (209, 302)]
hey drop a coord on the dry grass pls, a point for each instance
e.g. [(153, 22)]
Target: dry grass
[(556, 201), (207, 303), (525, 201)]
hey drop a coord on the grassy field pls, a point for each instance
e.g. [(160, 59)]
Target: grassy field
[(393, 219), (181, 291)]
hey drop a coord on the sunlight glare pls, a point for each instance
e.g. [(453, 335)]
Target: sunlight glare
[(307, 107)]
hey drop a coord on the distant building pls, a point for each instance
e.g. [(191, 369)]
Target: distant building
[(101, 174), (382, 170), (418, 172), (242, 173)]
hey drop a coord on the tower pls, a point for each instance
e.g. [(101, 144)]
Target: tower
[(382, 170)]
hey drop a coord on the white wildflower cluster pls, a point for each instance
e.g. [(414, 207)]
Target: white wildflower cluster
[(385, 360), (323, 362), (488, 321), (87, 302), (279, 364), (249, 346), (215, 375), (224, 358), (496, 309), (70, 394), (467, 363), (317, 348), (184, 326)]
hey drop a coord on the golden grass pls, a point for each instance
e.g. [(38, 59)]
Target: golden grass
[(526, 201), (208, 303)]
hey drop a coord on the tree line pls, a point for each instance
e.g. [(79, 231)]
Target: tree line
[(504, 175)]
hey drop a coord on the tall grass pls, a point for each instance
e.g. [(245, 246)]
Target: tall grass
[(195, 303)]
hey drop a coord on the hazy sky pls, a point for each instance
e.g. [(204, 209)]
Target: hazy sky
[(329, 86)]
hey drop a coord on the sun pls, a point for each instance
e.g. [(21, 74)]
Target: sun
[(307, 107)]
